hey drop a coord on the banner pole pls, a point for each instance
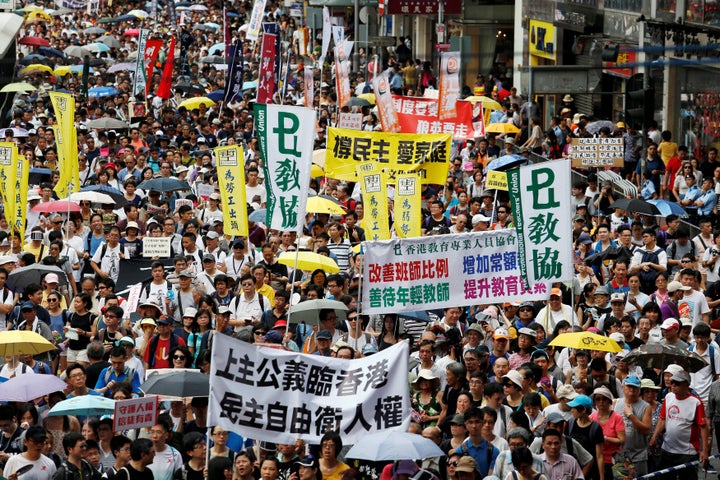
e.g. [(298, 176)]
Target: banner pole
[(492, 215), (207, 450)]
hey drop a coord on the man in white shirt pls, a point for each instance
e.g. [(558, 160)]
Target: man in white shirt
[(693, 304), (253, 188), (555, 311), (106, 261), (42, 467), (246, 307), (167, 459)]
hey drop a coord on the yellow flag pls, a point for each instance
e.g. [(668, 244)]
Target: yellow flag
[(65, 137), (230, 161), (8, 155), (20, 191), (374, 194), (408, 205)]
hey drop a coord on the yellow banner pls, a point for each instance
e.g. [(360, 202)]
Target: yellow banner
[(65, 137), (230, 161), (22, 172), (390, 153), (542, 39), (407, 207), (8, 152), (496, 180), (374, 194)]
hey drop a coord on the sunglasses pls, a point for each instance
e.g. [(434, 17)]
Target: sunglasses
[(453, 464), (259, 333), (178, 357)]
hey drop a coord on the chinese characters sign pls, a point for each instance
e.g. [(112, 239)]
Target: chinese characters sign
[(231, 177), (422, 7), (135, 413), (66, 139), (266, 79), (541, 211), (255, 22), (319, 394), (407, 206), (496, 180), (392, 153), (449, 85), (286, 142), (374, 194), (8, 169), (342, 69), (139, 74), (597, 152), (384, 100), (542, 39), (406, 275), (420, 115)]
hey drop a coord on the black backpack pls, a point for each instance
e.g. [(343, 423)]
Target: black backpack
[(648, 278)]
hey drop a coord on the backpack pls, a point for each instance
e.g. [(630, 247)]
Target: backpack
[(712, 358), (672, 249), (109, 370), (612, 385), (648, 278)]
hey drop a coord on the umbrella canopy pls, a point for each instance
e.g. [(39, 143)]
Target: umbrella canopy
[(192, 88), (217, 49), (37, 16), (97, 47), (502, 127), (308, 261), (195, 102), (51, 52), (162, 184), (62, 70), (319, 204), (487, 103), (110, 41), (249, 85), (142, 14), (36, 68), (309, 310), (506, 162), (357, 102), (198, 8), (26, 388), (610, 253), (113, 193), (213, 59), (76, 51), (318, 157), (127, 18), (595, 127), (34, 58), (370, 97), (667, 207), (636, 205), (586, 341), (58, 206), (659, 356), (34, 41), (17, 132), (23, 276), (106, 20), (23, 342), (107, 122), (258, 216), (18, 87), (394, 445), (121, 67), (94, 31), (178, 384), (99, 92), (133, 32), (216, 95), (85, 405), (94, 197)]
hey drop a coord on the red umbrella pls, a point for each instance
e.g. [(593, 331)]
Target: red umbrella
[(133, 32), (34, 41), (58, 206)]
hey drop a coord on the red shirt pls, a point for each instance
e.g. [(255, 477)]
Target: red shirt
[(162, 353), (671, 169)]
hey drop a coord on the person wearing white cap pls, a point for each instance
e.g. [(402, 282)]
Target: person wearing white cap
[(682, 418), (637, 416), (211, 210), (671, 333)]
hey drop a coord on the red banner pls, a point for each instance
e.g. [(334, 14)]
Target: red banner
[(152, 49), (163, 90), (266, 81), (420, 115)]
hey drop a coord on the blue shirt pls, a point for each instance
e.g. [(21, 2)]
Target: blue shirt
[(693, 193), (113, 376), (708, 199), (648, 190), (480, 454)]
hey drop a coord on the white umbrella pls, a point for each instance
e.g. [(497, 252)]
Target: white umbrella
[(394, 445), (198, 8), (94, 197), (309, 310)]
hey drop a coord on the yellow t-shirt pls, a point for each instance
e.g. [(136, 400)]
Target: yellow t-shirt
[(38, 251), (267, 292), (337, 473), (667, 150)]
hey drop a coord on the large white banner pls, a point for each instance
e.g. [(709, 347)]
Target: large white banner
[(439, 271), (255, 22), (287, 136), (279, 396), (542, 214)]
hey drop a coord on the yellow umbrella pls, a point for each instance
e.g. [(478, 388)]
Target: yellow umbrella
[(18, 87), (502, 127), (323, 205), (316, 171), (37, 15), (487, 103), (62, 71), (309, 261), (370, 97), (195, 102), (586, 341), (318, 157), (17, 342), (35, 68)]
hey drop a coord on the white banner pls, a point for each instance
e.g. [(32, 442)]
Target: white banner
[(286, 142), (156, 247), (279, 396), (439, 271), (255, 22), (542, 212), (140, 73), (326, 35)]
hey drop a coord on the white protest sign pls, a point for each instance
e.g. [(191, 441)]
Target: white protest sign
[(183, 201), (319, 394), (352, 121), (135, 413), (423, 273), (204, 189), (156, 247), (133, 299)]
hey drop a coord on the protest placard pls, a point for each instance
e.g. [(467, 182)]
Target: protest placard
[(319, 394), (156, 247), (597, 152), (135, 413)]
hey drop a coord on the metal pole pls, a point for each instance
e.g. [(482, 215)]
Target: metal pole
[(356, 35)]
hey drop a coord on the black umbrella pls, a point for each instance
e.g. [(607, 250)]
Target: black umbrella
[(113, 193), (23, 276), (635, 205), (610, 253), (659, 356), (192, 88), (357, 102), (162, 184), (178, 384)]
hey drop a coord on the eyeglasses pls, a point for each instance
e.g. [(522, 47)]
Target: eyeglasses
[(178, 357), (453, 464), (259, 333), (52, 300), (685, 261), (77, 375), (247, 284), (352, 319)]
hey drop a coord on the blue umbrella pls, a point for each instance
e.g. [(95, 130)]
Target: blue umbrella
[(231, 14), (421, 315), (218, 48), (51, 52), (249, 85), (666, 208), (85, 405), (183, 4), (126, 18), (99, 92), (216, 95), (258, 216), (506, 162), (162, 184), (33, 58), (79, 69)]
